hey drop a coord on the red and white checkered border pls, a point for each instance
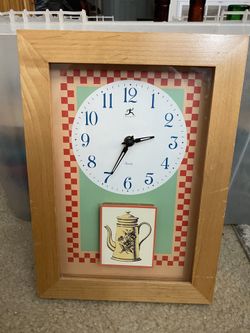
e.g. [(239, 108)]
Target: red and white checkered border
[(164, 79)]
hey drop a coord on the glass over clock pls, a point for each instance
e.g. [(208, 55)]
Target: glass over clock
[(129, 137)]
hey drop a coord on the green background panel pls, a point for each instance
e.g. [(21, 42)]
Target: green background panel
[(92, 196)]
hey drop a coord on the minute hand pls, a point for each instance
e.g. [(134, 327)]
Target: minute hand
[(144, 138), (124, 151)]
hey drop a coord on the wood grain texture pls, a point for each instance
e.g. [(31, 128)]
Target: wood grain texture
[(226, 54), (219, 153), (37, 125), (125, 290), (6, 5), (132, 48)]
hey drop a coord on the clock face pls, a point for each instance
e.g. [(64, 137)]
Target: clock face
[(129, 137)]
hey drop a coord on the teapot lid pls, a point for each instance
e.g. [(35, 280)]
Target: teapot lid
[(127, 217)]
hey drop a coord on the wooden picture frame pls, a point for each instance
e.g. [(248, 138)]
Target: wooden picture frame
[(226, 56)]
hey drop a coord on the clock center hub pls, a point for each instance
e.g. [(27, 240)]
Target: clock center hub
[(129, 141)]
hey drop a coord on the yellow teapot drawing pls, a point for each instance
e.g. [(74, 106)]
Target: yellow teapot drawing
[(126, 246)]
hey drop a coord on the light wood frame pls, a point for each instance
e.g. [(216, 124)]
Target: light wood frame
[(6, 5), (226, 54)]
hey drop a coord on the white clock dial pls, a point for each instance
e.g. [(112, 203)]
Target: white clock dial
[(123, 109)]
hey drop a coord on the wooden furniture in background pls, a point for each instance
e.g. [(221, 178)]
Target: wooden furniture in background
[(6, 5)]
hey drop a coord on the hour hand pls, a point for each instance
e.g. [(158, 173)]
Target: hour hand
[(144, 138), (124, 151)]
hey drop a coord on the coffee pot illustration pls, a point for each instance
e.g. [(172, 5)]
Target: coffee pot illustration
[(126, 246)]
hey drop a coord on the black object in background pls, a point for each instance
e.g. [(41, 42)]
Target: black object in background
[(161, 10), (68, 5)]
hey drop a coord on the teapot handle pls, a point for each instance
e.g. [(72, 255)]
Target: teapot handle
[(150, 230)]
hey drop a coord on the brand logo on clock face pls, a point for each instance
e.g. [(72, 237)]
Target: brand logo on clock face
[(129, 157), (130, 112)]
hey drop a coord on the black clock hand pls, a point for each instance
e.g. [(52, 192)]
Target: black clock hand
[(144, 138), (124, 151), (128, 142)]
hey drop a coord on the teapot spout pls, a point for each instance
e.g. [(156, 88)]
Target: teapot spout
[(110, 242)]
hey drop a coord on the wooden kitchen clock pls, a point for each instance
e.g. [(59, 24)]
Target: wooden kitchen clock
[(129, 140)]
